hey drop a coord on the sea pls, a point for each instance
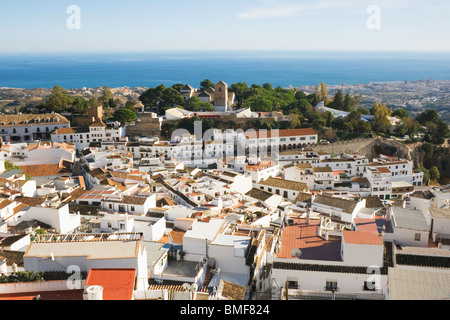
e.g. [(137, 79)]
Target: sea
[(279, 68)]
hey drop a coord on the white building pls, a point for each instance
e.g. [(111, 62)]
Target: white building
[(123, 251), (57, 216), (312, 262), (152, 229), (300, 172), (30, 127), (83, 136), (407, 227)]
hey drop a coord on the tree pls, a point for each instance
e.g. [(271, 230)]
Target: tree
[(107, 98), (324, 93), (152, 96), (338, 101), (400, 113), (58, 101), (241, 91), (426, 174), (206, 84), (124, 115), (381, 119), (193, 104), (178, 86), (267, 86), (434, 173), (429, 115), (170, 98), (79, 106)]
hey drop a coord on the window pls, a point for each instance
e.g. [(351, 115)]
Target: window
[(292, 284), (109, 225), (417, 237), (110, 206), (122, 226), (331, 285), (132, 208)]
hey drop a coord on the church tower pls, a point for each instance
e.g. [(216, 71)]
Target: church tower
[(221, 95)]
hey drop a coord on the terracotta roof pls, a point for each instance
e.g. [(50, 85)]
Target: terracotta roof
[(29, 119), (134, 200), (72, 130), (45, 295), (98, 124), (52, 169), (303, 236), (5, 203), (118, 284), (284, 184), (176, 236), (362, 237), (281, 133), (383, 170)]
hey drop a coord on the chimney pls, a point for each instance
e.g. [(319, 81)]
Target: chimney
[(308, 215), (388, 214)]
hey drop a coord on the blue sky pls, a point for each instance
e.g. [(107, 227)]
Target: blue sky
[(155, 25)]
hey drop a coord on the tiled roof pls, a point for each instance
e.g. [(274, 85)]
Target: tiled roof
[(303, 197), (31, 201), (118, 284), (232, 291), (346, 205), (176, 236), (72, 130), (373, 202), (323, 268), (423, 261), (284, 184), (303, 236), (281, 133), (362, 237), (134, 200), (322, 169), (383, 170), (259, 194), (29, 119), (51, 169)]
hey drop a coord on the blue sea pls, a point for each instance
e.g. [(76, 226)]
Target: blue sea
[(289, 68)]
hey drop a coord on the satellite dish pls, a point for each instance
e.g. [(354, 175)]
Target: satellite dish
[(296, 253)]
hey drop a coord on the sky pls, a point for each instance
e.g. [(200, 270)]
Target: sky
[(30, 26)]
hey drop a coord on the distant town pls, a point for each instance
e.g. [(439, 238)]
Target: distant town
[(226, 192)]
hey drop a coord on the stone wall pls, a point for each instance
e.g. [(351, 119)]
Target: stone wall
[(366, 147)]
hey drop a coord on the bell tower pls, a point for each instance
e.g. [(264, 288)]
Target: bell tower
[(221, 94)]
